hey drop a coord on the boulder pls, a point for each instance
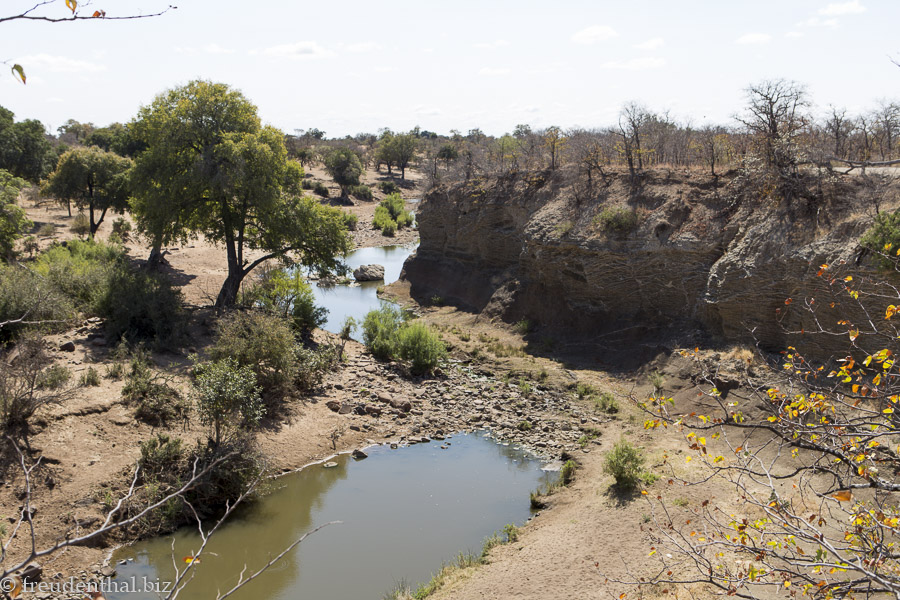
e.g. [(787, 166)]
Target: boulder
[(369, 273), (67, 347), (359, 454), (373, 410), (402, 404), (334, 405)]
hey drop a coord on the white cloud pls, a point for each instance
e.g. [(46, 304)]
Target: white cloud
[(216, 49), (819, 22), (58, 64), (754, 38), (363, 47), (594, 34), (489, 72), (836, 9), (794, 34), (494, 44), (651, 44), (635, 64), (296, 51)]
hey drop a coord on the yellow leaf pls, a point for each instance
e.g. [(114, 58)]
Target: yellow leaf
[(687, 459), (888, 411), (643, 492), (848, 278), (772, 419), (854, 333), (18, 70), (890, 311), (72, 4)]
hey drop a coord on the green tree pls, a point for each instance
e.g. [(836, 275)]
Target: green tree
[(93, 179), (13, 222), (404, 147), (24, 149), (211, 168), (344, 167), (228, 398)]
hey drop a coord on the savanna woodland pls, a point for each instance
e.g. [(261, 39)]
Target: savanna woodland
[(245, 356)]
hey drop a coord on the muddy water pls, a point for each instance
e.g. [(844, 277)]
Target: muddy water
[(403, 513), (358, 299)]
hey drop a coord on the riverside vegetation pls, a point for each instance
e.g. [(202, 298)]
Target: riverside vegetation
[(582, 200)]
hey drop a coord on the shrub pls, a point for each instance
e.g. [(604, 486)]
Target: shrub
[(396, 208), (382, 218), (228, 398), (512, 532), (422, 346), (91, 378), (363, 192), (261, 341), (46, 230), (284, 293), (389, 187), (314, 364), (26, 296), (389, 230), (567, 472), (121, 227), (523, 327), (27, 384), (617, 220), (142, 305), (30, 245), (883, 237), (161, 456), (624, 463), (524, 426), (320, 189), (584, 389), (156, 402), (80, 269), (607, 403), (351, 221), (80, 225), (380, 331), (306, 184)]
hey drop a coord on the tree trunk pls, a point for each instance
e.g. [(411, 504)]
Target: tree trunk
[(228, 294)]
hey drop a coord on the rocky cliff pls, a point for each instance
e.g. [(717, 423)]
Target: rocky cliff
[(699, 258)]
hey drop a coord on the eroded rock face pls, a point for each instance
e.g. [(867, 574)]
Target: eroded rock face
[(369, 273), (703, 260)]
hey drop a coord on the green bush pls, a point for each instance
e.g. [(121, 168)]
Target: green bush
[(141, 305), (80, 269), (161, 456), (261, 341), (314, 364), (121, 227), (306, 184), (382, 218), (397, 210), (155, 400), (80, 225), (389, 187), (228, 398), (27, 383), (320, 189), (617, 220), (46, 230), (625, 463), (351, 221), (883, 238), (27, 296), (389, 230), (284, 293), (363, 192), (567, 472), (90, 378), (54, 377), (607, 403), (381, 329), (422, 346)]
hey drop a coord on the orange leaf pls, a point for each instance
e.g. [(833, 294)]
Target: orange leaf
[(192, 560), (842, 496)]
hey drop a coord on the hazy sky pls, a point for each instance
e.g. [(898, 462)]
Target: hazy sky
[(350, 66)]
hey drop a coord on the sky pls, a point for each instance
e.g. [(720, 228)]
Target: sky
[(348, 67)]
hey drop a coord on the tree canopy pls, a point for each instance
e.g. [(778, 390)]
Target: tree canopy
[(93, 179), (344, 167), (24, 149), (211, 168)]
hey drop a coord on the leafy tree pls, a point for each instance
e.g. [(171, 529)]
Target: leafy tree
[(397, 150), (24, 149), (13, 222), (228, 398), (810, 449), (344, 167), (116, 138), (211, 168), (94, 179)]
